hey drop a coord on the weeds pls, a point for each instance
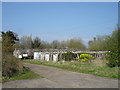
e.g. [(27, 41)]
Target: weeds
[(89, 68)]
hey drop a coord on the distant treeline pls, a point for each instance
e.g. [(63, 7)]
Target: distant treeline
[(99, 43), (37, 43), (106, 42)]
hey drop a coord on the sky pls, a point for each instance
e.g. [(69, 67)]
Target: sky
[(60, 20)]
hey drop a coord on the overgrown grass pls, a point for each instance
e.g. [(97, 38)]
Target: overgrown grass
[(89, 68), (25, 74)]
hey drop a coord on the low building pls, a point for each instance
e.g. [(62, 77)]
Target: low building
[(52, 54), (23, 53)]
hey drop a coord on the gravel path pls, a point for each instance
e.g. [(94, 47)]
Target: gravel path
[(59, 78)]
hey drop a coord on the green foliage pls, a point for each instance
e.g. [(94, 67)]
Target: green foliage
[(113, 41), (36, 43), (9, 39), (108, 43), (72, 56), (22, 75), (10, 65), (85, 57), (13, 36), (76, 43), (28, 42), (113, 59), (69, 56), (99, 43), (55, 44), (113, 46)]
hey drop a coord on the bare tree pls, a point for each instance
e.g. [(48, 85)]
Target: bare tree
[(26, 42)]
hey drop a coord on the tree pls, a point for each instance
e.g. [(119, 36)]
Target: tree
[(45, 45), (63, 45), (9, 40), (10, 64), (26, 42), (113, 46), (37, 42), (55, 44), (90, 42), (98, 44), (76, 43), (113, 41), (109, 43)]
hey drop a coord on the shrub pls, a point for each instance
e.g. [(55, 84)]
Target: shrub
[(113, 59), (10, 65), (69, 56), (85, 57)]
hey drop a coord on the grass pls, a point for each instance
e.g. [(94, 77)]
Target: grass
[(23, 75), (97, 67)]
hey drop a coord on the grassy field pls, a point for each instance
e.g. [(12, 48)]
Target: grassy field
[(96, 67), (25, 74)]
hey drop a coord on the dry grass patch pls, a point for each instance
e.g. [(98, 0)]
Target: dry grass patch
[(99, 62)]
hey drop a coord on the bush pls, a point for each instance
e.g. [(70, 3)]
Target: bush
[(85, 57), (10, 65), (69, 56), (113, 59)]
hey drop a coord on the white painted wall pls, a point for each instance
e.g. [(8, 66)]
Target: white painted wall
[(20, 56), (55, 57), (37, 55), (47, 57), (25, 55), (42, 56)]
